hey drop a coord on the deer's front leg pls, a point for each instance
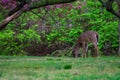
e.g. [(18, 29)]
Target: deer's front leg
[(75, 50), (96, 49), (84, 50)]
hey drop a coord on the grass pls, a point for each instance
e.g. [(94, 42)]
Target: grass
[(59, 68)]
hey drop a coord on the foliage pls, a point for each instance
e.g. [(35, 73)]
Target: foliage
[(64, 35), (12, 44), (27, 36), (89, 16), (59, 26), (105, 24)]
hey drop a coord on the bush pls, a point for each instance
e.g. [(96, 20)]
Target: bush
[(15, 44)]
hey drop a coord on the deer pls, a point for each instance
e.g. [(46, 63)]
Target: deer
[(83, 41)]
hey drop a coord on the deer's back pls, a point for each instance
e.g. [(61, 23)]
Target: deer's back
[(88, 37)]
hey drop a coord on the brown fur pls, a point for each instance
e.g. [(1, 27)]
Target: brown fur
[(83, 41)]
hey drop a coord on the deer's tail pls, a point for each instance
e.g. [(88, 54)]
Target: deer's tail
[(97, 36)]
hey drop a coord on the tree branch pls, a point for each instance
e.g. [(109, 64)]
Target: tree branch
[(10, 18), (31, 5), (108, 5), (42, 3), (103, 3)]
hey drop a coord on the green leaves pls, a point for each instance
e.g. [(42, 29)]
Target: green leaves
[(14, 44), (64, 35), (28, 36)]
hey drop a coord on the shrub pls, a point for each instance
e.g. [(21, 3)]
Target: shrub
[(15, 44)]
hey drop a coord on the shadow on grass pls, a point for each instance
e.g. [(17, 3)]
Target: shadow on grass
[(1, 73)]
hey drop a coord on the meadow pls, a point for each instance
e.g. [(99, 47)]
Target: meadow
[(59, 68)]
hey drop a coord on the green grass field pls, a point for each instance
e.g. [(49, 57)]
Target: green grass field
[(59, 68)]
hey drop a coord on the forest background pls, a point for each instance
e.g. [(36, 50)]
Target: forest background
[(54, 29)]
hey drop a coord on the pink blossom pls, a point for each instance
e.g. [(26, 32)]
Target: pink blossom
[(84, 3), (71, 5), (79, 7), (8, 3), (48, 7), (58, 5)]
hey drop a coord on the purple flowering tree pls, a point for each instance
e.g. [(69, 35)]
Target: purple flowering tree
[(17, 7)]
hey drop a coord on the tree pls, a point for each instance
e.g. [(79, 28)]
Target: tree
[(109, 7), (26, 5)]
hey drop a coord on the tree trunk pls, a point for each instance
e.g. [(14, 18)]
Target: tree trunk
[(118, 4), (119, 36), (109, 6)]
